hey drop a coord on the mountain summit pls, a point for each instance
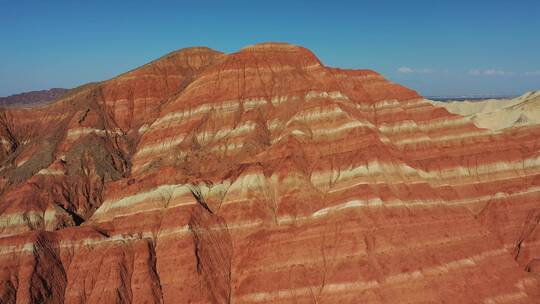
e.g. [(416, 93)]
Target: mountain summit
[(263, 176)]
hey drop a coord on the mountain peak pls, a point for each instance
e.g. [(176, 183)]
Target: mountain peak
[(285, 46), (193, 50), (280, 51)]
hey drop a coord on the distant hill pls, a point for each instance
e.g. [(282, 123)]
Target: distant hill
[(469, 97), (32, 98), (498, 114)]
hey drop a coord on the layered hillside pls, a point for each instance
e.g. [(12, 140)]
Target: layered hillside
[(263, 176)]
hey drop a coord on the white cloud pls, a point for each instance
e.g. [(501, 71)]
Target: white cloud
[(405, 70), (408, 70), (493, 72), (533, 73), (489, 72)]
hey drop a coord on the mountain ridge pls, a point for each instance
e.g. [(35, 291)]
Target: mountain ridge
[(263, 176)]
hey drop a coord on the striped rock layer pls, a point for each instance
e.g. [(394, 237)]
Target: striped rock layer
[(263, 176)]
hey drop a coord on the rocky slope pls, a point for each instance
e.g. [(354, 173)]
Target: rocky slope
[(32, 98), (263, 176)]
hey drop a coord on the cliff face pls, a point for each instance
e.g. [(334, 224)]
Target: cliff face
[(263, 176)]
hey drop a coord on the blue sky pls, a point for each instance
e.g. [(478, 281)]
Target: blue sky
[(436, 47)]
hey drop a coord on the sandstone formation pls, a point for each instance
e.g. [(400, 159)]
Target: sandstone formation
[(263, 176)]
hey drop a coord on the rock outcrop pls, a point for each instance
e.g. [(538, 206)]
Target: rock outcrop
[(263, 176)]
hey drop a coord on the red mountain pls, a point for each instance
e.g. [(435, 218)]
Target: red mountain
[(263, 176)]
